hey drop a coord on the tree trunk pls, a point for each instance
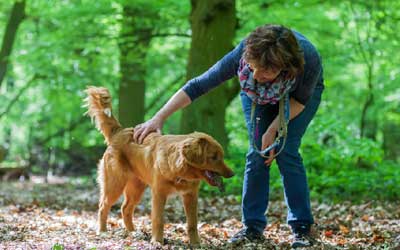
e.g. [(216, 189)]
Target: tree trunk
[(365, 47), (368, 123), (213, 25), (16, 17), (132, 66), (391, 138)]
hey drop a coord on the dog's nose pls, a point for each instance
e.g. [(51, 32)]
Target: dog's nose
[(228, 173)]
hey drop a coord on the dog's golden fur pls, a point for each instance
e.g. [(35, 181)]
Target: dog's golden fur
[(167, 163)]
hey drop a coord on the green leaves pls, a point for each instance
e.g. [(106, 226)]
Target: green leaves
[(71, 44), (57, 247)]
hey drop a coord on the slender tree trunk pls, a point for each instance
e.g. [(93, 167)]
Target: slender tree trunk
[(213, 25), (132, 65), (16, 17), (391, 138), (368, 123), (365, 47)]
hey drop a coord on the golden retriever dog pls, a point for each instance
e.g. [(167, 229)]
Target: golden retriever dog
[(167, 163)]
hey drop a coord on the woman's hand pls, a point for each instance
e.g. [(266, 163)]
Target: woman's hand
[(179, 100), (267, 139), (143, 129)]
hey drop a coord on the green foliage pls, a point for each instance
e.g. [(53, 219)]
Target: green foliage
[(349, 183), (63, 46), (57, 247)]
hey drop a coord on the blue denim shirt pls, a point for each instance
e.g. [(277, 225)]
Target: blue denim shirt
[(227, 67)]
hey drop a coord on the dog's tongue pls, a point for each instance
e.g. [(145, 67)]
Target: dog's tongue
[(216, 180)]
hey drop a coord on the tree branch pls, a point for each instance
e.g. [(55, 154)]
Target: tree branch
[(21, 91), (128, 40), (16, 17), (61, 131), (164, 91), (360, 47)]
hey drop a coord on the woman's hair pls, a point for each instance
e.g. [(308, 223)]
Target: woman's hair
[(275, 47)]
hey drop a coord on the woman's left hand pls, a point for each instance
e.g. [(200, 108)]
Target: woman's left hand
[(267, 139)]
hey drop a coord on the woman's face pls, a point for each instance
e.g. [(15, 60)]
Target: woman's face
[(261, 74)]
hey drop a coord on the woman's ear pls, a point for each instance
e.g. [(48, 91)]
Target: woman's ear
[(193, 150)]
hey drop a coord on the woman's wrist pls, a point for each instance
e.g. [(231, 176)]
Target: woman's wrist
[(273, 127), (159, 118), (272, 130)]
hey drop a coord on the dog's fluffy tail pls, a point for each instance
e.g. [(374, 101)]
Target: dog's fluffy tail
[(98, 102)]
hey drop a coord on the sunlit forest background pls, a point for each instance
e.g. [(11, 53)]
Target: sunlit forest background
[(144, 51)]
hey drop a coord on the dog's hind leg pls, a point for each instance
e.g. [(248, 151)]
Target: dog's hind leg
[(133, 192), (112, 184)]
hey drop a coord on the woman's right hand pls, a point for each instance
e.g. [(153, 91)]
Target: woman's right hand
[(143, 129), (267, 139), (179, 100)]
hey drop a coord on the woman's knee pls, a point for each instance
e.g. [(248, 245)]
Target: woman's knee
[(255, 162), (290, 162)]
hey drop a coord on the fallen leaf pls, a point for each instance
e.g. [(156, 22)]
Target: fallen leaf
[(344, 229), (328, 233), (365, 217), (341, 241), (378, 238)]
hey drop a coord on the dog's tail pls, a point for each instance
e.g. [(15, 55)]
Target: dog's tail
[(98, 102)]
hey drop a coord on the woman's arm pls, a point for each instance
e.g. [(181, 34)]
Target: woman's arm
[(295, 109), (269, 136), (178, 101), (221, 71), (224, 69)]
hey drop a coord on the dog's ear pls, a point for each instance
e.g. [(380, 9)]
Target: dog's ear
[(194, 149)]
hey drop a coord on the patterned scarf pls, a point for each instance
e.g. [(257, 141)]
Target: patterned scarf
[(265, 93)]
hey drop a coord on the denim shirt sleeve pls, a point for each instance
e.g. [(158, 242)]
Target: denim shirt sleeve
[(221, 71), (311, 76)]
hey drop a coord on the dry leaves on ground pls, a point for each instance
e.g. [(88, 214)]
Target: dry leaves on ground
[(62, 217)]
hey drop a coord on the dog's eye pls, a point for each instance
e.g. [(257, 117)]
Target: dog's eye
[(215, 157)]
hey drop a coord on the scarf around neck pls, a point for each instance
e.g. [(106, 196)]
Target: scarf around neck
[(263, 93)]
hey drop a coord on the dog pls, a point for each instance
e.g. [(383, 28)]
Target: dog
[(167, 163)]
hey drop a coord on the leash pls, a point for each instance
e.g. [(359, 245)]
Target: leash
[(283, 117)]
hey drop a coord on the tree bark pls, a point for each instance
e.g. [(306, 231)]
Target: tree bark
[(16, 17), (391, 138), (213, 25), (365, 47), (368, 122), (132, 66)]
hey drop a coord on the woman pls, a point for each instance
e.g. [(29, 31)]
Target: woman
[(270, 62)]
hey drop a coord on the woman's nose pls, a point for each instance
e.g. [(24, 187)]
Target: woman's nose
[(258, 76)]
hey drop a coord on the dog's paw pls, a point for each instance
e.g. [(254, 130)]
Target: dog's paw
[(101, 233), (129, 228), (195, 244), (194, 240), (157, 242)]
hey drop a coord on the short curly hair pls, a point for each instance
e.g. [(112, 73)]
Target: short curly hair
[(275, 47)]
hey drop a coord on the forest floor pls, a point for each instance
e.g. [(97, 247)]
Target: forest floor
[(60, 216)]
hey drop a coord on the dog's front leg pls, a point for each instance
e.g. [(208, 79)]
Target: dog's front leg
[(190, 205), (158, 200)]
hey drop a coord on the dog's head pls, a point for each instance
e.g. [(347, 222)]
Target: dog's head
[(205, 156)]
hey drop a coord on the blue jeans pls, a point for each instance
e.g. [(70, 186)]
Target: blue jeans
[(256, 177)]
